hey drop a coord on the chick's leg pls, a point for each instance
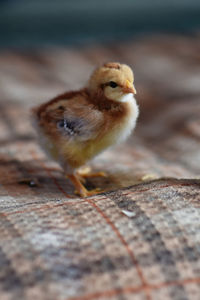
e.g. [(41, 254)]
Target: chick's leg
[(80, 189), (87, 173)]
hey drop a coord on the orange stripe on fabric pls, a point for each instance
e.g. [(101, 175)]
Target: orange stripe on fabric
[(159, 188), (44, 206), (134, 290)]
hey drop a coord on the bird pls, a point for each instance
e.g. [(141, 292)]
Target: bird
[(75, 126)]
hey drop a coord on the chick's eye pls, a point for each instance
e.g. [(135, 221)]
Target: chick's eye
[(113, 84), (61, 124)]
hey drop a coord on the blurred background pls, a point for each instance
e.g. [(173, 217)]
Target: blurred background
[(51, 46), (33, 23)]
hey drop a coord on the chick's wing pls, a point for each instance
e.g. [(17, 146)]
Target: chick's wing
[(80, 122), (73, 119)]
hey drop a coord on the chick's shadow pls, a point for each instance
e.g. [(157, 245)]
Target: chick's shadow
[(44, 177)]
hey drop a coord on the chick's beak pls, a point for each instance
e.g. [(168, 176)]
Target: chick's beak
[(129, 88)]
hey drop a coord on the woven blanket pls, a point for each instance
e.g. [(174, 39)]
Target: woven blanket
[(140, 238)]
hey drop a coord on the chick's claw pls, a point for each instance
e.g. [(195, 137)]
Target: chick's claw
[(85, 193)]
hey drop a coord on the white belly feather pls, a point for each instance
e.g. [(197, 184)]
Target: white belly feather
[(128, 124)]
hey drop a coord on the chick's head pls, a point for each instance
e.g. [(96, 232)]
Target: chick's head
[(114, 80)]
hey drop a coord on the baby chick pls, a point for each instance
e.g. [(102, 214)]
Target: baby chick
[(76, 126)]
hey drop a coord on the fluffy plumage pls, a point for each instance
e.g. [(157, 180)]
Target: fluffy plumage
[(76, 126)]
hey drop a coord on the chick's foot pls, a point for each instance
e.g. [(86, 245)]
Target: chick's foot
[(86, 172), (80, 189)]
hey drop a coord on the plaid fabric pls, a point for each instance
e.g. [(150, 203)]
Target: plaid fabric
[(140, 239)]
